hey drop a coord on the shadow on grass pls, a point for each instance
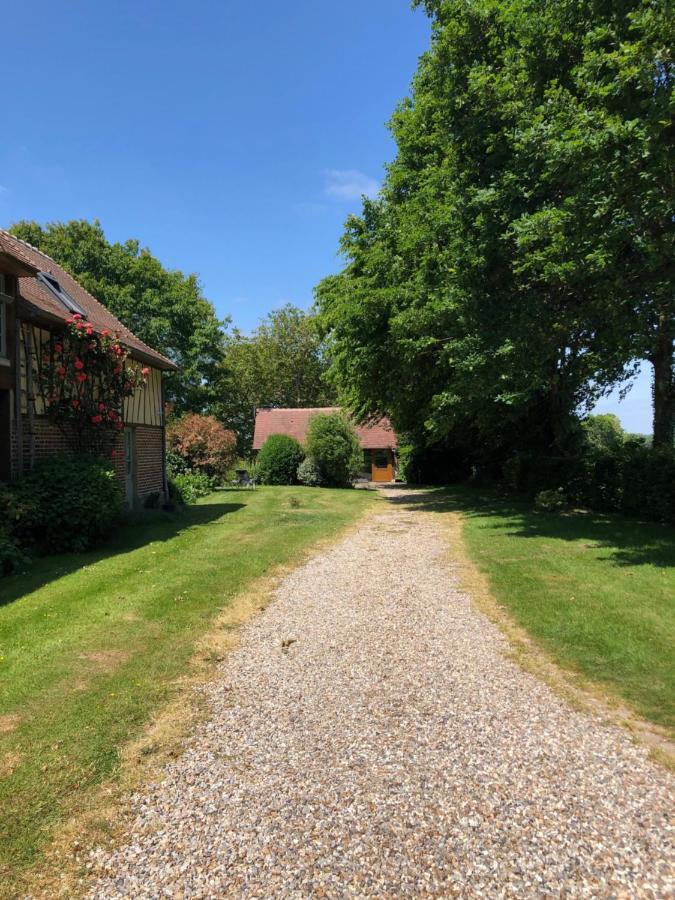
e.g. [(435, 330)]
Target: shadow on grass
[(630, 542), (135, 532)]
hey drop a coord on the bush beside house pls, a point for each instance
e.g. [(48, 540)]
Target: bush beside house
[(333, 446), (200, 453), (279, 459), (64, 505)]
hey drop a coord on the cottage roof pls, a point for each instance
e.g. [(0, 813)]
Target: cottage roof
[(37, 302), (378, 435)]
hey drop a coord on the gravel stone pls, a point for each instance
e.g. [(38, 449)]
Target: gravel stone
[(392, 750)]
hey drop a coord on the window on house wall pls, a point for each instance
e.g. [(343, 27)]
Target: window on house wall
[(61, 294), (6, 297)]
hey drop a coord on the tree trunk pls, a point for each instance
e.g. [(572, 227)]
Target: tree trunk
[(663, 361)]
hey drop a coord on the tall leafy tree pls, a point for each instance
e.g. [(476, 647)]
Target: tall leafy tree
[(163, 307), (516, 263), (280, 364)]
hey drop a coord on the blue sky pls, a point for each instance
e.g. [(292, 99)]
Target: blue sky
[(231, 137)]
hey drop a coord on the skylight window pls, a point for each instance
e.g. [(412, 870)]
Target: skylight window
[(60, 293)]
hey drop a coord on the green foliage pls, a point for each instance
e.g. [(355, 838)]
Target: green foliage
[(278, 460), (187, 487), (551, 500), (163, 307), (280, 364), (519, 258), (332, 443), (310, 473), (67, 504), (603, 433), (11, 557)]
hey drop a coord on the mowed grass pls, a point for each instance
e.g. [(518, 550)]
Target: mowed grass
[(92, 644), (597, 591)]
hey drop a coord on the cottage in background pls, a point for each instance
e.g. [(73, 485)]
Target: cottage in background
[(378, 439)]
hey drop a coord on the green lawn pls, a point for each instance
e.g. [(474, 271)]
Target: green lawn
[(597, 591), (91, 644)]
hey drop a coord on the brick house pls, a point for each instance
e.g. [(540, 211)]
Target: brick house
[(378, 439), (36, 297)]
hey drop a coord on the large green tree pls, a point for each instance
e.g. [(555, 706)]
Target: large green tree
[(280, 364), (163, 307), (517, 261)]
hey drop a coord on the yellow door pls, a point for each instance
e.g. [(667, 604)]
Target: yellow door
[(382, 467)]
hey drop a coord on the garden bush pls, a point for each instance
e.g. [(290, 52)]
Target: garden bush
[(11, 557), (190, 486), (279, 459), (310, 473), (332, 442), (202, 444), (66, 504)]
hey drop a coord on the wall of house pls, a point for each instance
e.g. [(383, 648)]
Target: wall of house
[(42, 439)]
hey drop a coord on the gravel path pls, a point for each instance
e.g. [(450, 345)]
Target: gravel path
[(392, 750)]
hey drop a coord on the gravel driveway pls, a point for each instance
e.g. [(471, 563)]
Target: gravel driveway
[(392, 750)]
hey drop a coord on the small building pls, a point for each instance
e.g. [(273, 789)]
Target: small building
[(37, 297), (378, 439)]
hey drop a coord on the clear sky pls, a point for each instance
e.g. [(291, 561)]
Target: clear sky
[(230, 137)]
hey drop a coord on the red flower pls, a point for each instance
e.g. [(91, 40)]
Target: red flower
[(78, 363), (101, 407), (81, 377), (146, 372), (96, 420), (58, 348), (75, 403), (105, 332), (89, 331), (61, 372), (119, 425), (77, 316), (112, 415)]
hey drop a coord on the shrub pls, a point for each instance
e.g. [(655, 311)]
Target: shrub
[(190, 486), (551, 500), (203, 444), (279, 459), (333, 444), (11, 557), (310, 473), (67, 504)]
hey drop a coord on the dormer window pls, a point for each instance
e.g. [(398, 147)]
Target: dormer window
[(6, 297), (60, 293)]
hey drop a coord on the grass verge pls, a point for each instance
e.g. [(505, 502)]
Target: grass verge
[(93, 645), (596, 592)]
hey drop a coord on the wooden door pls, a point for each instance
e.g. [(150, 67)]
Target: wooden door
[(129, 467), (382, 468)]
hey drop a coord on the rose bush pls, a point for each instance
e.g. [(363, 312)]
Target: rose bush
[(83, 377)]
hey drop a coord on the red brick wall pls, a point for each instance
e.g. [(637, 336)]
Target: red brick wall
[(49, 441)]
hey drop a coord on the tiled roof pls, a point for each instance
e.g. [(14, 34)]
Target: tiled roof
[(375, 436), (37, 302)]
